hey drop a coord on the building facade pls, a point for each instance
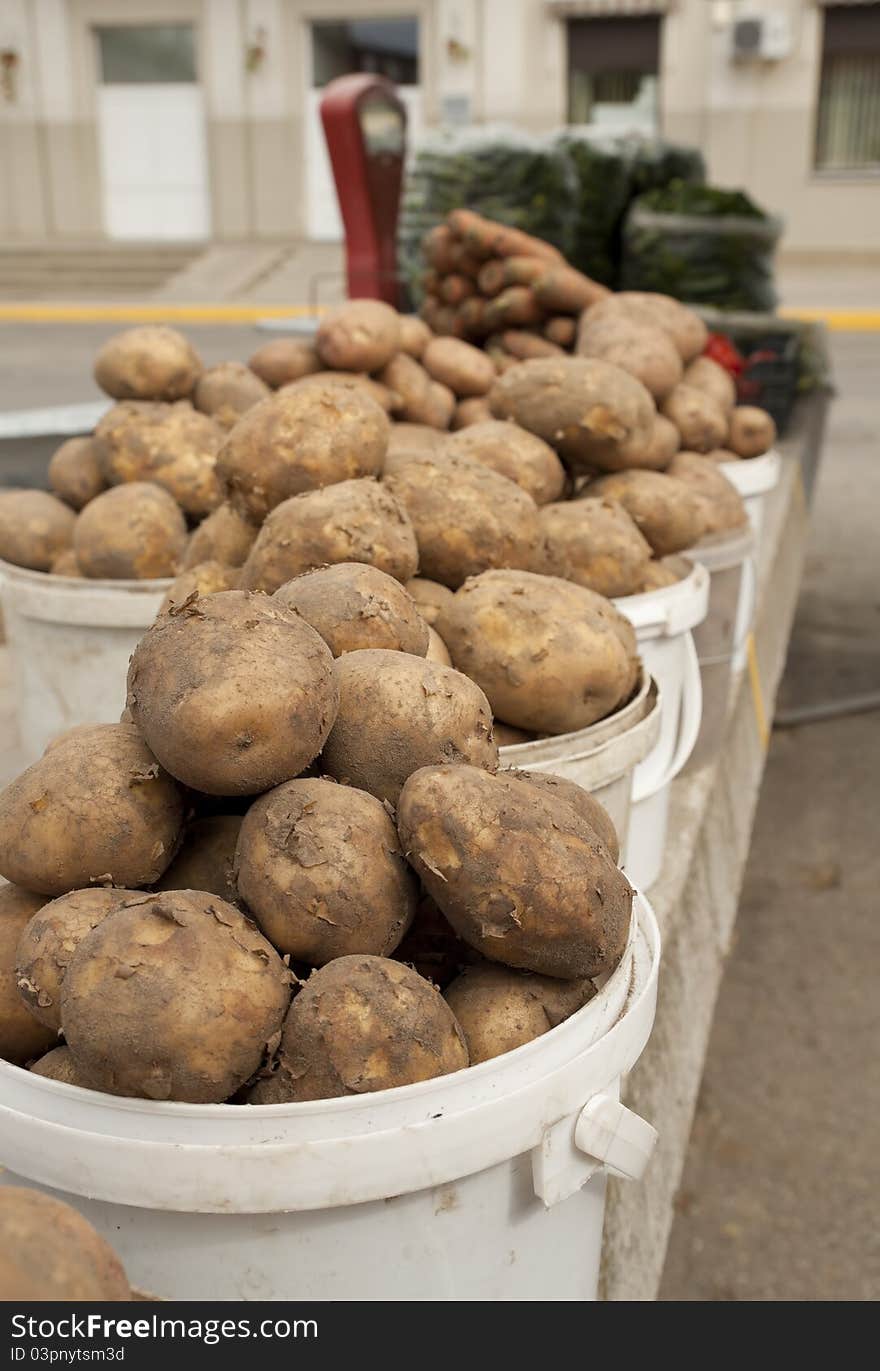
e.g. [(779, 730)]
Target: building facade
[(197, 119)]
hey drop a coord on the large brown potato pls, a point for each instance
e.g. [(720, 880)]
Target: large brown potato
[(151, 362), (284, 360), (298, 440), (519, 875), (206, 857), (385, 397), (361, 1024), (49, 940), (646, 351), (513, 452), (228, 391), (499, 1009), (353, 606), (173, 998), (409, 381), (669, 515), (173, 445), (397, 713), (589, 808), (752, 431), (589, 410), (708, 376), (50, 1252), (205, 579), (75, 473), (552, 657), (225, 537), (96, 809), (235, 694), (134, 532), (22, 1035), (700, 420), (720, 502), (681, 323), (466, 517), (466, 370), (34, 528), (599, 544), (320, 868), (360, 335), (354, 521)]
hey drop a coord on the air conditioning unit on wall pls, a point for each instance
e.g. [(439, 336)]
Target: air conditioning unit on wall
[(761, 37)]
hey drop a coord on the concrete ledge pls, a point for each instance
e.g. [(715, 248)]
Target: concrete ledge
[(696, 903)]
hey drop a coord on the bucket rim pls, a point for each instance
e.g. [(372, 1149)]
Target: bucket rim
[(81, 585), (670, 610)]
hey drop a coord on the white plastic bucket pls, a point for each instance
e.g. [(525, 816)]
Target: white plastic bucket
[(484, 1185), (603, 757), (722, 637), (663, 620), (755, 478), (70, 642)]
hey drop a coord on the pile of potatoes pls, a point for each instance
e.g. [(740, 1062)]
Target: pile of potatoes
[(294, 870)]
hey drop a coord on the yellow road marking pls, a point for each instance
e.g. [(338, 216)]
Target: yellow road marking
[(49, 313), (839, 320), (145, 312), (757, 693)]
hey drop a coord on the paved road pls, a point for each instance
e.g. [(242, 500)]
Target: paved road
[(780, 1199)]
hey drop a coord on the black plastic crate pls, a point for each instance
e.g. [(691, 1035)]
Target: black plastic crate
[(771, 376)]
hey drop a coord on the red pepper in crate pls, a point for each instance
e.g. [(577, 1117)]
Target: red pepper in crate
[(722, 350)]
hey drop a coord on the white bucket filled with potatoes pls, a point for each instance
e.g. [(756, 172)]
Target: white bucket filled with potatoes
[(665, 620), (485, 1184), (70, 642), (756, 479), (721, 639)]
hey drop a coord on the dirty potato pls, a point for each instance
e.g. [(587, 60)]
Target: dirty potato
[(172, 445), (320, 868), (34, 528), (75, 473), (353, 606), (22, 1035), (174, 997), (466, 517), (151, 362), (752, 431), (513, 452), (299, 440), (721, 503), (585, 804), (283, 360), (49, 940), (499, 1009), (134, 532), (359, 335), (519, 874), (397, 713), (50, 1252), (352, 521), (228, 391), (96, 809), (360, 1024), (233, 693), (668, 514), (552, 657), (598, 543), (225, 537)]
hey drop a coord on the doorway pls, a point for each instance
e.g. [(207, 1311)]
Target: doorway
[(151, 133)]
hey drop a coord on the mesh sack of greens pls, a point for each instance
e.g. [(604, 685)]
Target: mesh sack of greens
[(502, 173), (702, 245), (602, 166), (655, 164)]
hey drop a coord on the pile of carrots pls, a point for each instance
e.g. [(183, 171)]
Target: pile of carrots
[(500, 287)]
